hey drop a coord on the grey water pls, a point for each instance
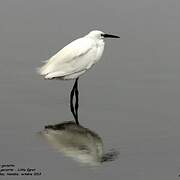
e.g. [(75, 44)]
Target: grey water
[(131, 98)]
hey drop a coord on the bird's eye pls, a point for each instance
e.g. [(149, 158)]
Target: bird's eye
[(102, 35)]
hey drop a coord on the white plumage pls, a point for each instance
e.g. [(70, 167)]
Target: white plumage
[(75, 58)]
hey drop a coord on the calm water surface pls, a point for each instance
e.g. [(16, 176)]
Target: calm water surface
[(131, 99)]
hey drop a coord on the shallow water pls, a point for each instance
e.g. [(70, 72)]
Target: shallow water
[(131, 99)]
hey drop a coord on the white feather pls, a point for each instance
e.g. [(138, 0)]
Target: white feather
[(74, 59)]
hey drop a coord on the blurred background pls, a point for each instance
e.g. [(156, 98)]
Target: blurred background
[(131, 98)]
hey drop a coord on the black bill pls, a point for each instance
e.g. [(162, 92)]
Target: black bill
[(110, 36)]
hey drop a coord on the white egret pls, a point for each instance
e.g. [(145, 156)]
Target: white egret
[(75, 59)]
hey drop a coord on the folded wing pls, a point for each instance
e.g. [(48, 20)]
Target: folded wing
[(73, 58)]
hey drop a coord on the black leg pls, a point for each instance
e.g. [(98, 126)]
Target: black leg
[(71, 100), (74, 91), (77, 101)]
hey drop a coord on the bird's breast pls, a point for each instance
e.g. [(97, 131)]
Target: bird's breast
[(100, 49)]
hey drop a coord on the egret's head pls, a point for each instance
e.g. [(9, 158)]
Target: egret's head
[(100, 35)]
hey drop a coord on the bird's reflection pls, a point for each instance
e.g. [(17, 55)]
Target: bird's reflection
[(78, 142)]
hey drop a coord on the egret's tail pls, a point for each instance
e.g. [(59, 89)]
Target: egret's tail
[(40, 70), (43, 70)]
